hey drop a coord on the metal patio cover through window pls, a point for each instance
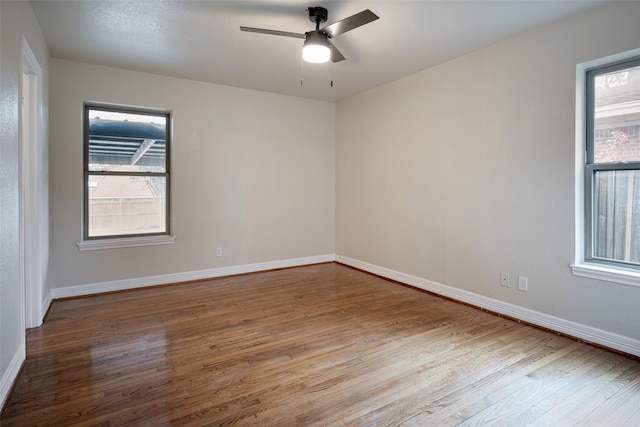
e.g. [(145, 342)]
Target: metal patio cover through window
[(126, 143)]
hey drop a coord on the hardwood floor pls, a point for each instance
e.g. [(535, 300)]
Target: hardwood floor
[(322, 345)]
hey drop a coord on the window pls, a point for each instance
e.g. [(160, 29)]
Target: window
[(612, 165), (126, 173)]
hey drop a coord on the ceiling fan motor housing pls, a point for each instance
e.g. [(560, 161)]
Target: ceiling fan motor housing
[(318, 14)]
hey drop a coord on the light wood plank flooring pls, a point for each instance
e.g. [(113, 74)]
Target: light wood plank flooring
[(322, 345)]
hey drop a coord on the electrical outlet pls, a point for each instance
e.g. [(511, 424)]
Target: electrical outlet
[(218, 252), (523, 283), (504, 279)]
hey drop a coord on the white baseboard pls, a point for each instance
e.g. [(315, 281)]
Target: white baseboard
[(576, 330), (10, 375), (119, 285)]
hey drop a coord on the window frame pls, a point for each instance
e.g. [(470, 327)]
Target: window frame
[(133, 239), (586, 264)]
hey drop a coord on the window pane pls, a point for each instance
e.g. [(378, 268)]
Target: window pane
[(127, 142), (120, 205), (617, 116), (617, 216)]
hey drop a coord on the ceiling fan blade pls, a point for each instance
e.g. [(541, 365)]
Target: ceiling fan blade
[(348, 24), (272, 32), (336, 56)]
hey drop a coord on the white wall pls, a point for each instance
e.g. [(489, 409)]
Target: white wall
[(465, 170), (253, 173), (16, 20)]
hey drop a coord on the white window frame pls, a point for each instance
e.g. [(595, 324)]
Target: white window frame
[(125, 241), (610, 272)]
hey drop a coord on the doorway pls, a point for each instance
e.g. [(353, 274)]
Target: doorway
[(33, 243)]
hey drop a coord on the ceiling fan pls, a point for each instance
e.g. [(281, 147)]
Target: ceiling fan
[(317, 47)]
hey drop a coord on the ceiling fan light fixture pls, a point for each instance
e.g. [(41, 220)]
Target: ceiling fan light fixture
[(316, 48)]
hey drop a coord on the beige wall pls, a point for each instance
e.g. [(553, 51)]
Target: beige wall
[(467, 169), (253, 173)]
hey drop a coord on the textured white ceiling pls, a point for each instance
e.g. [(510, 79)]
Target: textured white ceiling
[(201, 40)]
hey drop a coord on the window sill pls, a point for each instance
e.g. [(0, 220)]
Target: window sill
[(609, 274), (92, 245)]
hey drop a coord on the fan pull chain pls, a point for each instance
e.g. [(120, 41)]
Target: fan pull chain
[(331, 73)]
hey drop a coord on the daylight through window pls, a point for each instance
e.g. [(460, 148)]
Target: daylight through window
[(612, 181), (126, 172)]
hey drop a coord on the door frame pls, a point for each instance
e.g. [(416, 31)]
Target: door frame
[(32, 192)]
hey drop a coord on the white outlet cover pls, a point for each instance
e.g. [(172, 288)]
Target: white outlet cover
[(523, 283)]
